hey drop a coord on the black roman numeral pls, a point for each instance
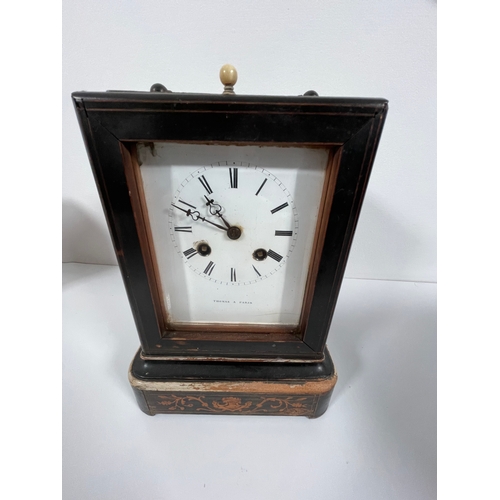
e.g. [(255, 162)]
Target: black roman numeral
[(255, 269), (189, 205), (233, 274), (205, 184), (277, 209), (282, 233), (208, 270), (183, 229), (190, 252), (276, 256), (261, 186), (233, 177)]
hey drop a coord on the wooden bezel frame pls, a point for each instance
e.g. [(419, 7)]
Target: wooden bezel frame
[(112, 123)]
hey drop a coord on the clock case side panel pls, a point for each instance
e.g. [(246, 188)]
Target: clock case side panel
[(356, 160), (111, 122), (105, 154)]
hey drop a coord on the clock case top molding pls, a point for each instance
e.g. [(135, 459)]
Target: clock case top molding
[(112, 123)]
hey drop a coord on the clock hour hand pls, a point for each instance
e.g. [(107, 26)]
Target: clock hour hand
[(216, 211), (196, 216)]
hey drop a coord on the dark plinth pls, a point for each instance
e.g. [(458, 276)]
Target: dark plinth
[(272, 388)]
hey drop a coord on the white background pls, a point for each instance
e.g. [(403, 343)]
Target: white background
[(353, 48), (377, 438)]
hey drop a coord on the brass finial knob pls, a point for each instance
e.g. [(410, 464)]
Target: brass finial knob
[(228, 76)]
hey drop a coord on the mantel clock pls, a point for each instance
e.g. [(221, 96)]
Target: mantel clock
[(232, 217)]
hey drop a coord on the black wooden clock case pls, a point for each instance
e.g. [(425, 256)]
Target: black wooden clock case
[(240, 372)]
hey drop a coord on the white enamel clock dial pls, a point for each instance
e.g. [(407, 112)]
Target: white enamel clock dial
[(233, 229), (245, 229)]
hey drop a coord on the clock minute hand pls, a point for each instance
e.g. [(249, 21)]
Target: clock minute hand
[(196, 216)]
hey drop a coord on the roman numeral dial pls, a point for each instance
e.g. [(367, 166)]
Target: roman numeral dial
[(234, 224)]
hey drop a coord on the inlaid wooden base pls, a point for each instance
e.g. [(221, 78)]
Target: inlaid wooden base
[(224, 388)]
